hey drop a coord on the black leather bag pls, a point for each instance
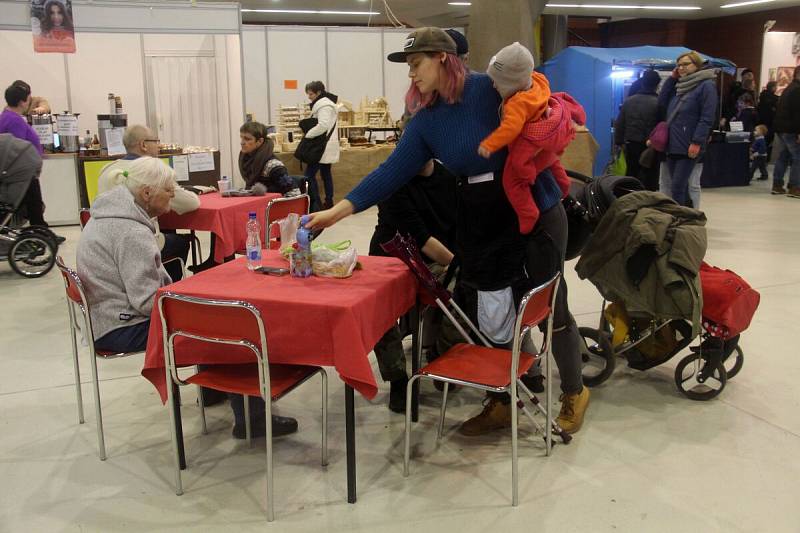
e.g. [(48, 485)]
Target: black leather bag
[(310, 151)]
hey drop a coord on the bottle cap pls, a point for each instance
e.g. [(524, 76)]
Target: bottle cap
[(252, 214)]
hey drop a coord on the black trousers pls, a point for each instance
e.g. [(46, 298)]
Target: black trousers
[(33, 204), (648, 176), (760, 164)]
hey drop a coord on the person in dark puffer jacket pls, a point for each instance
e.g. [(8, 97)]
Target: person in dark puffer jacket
[(637, 118)]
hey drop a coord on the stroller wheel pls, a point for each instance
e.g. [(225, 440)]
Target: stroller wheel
[(597, 355), (697, 381), (733, 363), (32, 255)]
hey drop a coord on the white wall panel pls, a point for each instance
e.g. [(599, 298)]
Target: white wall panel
[(44, 72), (256, 87), (395, 74), (178, 44), (130, 17), (354, 65), (92, 76), (294, 54)]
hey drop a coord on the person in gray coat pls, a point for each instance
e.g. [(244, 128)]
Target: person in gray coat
[(119, 259), (636, 119), (119, 262)]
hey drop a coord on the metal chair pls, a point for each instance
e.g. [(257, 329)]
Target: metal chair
[(280, 208), (235, 324), (76, 301), (497, 370)]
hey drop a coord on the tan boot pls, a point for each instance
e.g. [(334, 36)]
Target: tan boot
[(495, 415), (573, 407)]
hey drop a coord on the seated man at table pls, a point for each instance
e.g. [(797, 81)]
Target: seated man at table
[(120, 265), (140, 141)]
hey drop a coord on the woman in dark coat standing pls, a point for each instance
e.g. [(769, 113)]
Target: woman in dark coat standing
[(689, 102)]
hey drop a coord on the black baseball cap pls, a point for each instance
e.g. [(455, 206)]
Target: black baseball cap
[(462, 45), (424, 40)]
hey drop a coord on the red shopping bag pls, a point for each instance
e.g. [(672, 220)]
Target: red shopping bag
[(728, 300)]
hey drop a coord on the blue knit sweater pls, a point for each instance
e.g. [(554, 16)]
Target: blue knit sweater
[(450, 133)]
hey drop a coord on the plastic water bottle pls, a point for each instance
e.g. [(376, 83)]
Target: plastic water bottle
[(253, 242), (300, 259)]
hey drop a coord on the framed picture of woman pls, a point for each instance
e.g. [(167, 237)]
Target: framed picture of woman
[(52, 26)]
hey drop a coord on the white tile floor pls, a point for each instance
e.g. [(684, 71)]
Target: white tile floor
[(647, 459)]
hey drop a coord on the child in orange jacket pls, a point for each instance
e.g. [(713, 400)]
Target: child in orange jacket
[(536, 127)]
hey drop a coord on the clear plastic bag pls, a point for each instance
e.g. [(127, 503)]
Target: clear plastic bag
[(333, 263), (288, 227)]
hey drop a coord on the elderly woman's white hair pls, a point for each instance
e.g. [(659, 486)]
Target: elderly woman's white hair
[(144, 172)]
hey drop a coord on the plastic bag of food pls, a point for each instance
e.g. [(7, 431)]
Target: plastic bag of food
[(332, 263)]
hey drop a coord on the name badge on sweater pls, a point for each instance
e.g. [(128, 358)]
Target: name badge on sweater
[(480, 178)]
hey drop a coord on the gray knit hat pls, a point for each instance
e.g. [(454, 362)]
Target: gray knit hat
[(511, 69)]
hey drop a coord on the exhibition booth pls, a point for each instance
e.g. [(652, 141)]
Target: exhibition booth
[(599, 79)]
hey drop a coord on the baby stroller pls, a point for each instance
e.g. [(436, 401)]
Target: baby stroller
[(31, 251), (729, 304)]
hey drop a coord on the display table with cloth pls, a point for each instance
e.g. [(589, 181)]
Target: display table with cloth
[(224, 217), (354, 163), (726, 164), (309, 321)]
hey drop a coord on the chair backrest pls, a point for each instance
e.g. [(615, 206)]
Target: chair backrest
[(76, 297), (230, 322), (84, 215), (535, 307), (280, 208)]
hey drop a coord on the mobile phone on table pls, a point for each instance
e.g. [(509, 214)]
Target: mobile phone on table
[(272, 271)]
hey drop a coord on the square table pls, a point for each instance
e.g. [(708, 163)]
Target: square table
[(225, 217), (309, 321)]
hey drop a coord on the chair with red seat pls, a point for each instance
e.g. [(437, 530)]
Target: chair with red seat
[(236, 325), (280, 208), (77, 302), (497, 370)]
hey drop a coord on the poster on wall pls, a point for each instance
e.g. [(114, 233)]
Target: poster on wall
[(52, 26), (780, 56)]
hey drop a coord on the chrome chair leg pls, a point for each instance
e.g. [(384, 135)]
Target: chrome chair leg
[(202, 405), (76, 367), (173, 433), (324, 376), (548, 407), (101, 442), (514, 465), (268, 438), (444, 408), (247, 429), (407, 447)]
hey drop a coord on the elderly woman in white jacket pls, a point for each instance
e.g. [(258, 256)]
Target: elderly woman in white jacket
[(323, 108)]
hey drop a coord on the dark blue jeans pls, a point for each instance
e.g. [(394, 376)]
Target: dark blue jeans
[(313, 187), (125, 339), (680, 170), (789, 156)]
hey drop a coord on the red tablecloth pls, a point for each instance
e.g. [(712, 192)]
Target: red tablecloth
[(310, 321), (224, 217)]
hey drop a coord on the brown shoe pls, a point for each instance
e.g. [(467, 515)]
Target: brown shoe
[(778, 189), (794, 192), (495, 415), (573, 407)]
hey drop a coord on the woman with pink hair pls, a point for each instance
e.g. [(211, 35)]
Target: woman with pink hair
[(453, 111)]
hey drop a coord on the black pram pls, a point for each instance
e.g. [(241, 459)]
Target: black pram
[(31, 251)]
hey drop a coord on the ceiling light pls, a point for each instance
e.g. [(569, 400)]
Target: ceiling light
[(749, 3), (310, 12), (605, 6), (459, 3)]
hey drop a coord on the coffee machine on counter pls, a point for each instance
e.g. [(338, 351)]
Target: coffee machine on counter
[(68, 135), (43, 126)]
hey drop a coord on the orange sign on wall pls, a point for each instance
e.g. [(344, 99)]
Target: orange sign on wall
[(290, 84)]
